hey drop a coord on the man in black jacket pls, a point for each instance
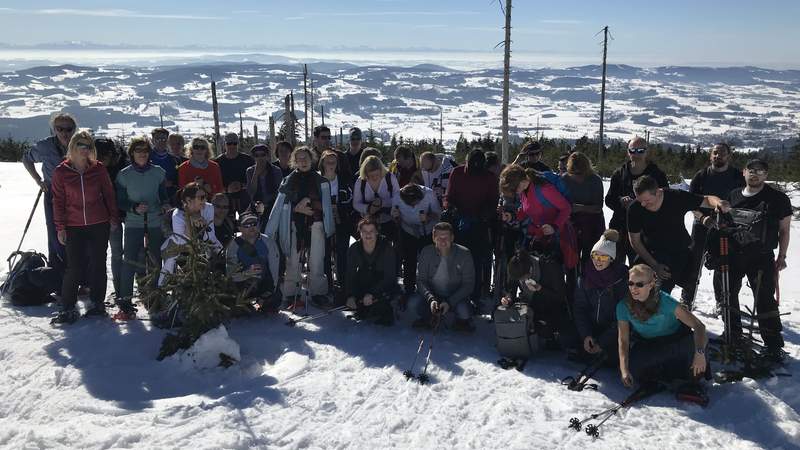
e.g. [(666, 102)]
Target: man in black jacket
[(620, 193), (371, 281), (718, 179)]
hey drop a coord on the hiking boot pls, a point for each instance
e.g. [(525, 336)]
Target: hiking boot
[(126, 310), (96, 311), (69, 316), (775, 355), (463, 325), (693, 393)]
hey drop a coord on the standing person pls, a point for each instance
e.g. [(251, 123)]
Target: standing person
[(418, 210), (718, 179), (472, 194), (435, 170), (493, 163), (620, 193), (233, 165), (667, 349), (162, 157), (530, 157), (601, 285), (342, 204), (201, 169), (375, 193), (404, 166), (142, 195), (371, 283), (586, 193), (322, 140), (657, 232), (445, 279), (252, 262), (83, 210), (113, 160), (224, 224), (51, 152), (176, 144), (301, 220), (283, 152), (354, 152), (755, 258), (263, 179)]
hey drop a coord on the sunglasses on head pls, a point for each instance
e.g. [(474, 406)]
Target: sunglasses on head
[(65, 129), (602, 257), (638, 284), (637, 151)]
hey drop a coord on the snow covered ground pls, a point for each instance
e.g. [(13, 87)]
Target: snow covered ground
[(335, 384)]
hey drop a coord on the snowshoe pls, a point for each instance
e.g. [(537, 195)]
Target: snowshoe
[(65, 317), (693, 393)]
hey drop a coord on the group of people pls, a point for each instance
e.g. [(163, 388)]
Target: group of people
[(442, 228)]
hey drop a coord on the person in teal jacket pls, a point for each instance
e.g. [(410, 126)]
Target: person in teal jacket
[(664, 348), (141, 192)]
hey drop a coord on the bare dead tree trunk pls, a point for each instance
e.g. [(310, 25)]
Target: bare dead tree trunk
[(601, 147), (506, 80), (305, 101), (215, 106)]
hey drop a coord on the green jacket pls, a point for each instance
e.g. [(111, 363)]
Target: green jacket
[(134, 187)]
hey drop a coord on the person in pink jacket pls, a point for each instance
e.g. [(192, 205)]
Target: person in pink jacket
[(84, 210)]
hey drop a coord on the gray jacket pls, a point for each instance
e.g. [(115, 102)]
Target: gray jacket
[(48, 152), (460, 273)]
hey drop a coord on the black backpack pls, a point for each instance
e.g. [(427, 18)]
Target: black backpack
[(30, 281)]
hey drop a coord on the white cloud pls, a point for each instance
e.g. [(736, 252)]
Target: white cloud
[(122, 13)]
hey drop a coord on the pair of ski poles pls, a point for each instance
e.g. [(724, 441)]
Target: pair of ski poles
[(423, 377)]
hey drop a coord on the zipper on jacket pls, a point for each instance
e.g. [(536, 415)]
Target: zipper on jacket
[(83, 196)]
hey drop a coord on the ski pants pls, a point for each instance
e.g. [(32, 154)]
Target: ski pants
[(409, 251), (663, 358), (759, 268), (133, 250), (317, 280), (86, 257)]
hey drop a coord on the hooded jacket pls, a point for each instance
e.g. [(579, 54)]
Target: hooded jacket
[(82, 199)]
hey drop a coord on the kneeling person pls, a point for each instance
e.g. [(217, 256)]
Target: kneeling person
[(445, 279), (252, 261), (370, 282)]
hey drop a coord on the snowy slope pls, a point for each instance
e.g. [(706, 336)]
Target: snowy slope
[(335, 384)]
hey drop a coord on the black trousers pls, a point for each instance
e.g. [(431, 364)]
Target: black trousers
[(86, 259), (476, 239), (409, 251), (759, 268), (678, 260), (664, 358)]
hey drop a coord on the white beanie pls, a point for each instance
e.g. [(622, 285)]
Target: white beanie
[(607, 244)]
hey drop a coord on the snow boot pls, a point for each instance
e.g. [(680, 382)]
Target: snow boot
[(126, 310), (65, 317)]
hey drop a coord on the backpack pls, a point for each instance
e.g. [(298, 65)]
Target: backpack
[(30, 281), (514, 331)]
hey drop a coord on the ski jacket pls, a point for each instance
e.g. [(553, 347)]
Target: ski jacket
[(370, 274), (473, 196), (145, 185), (211, 175), (265, 188), (49, 152), (409, 215), (596, 308), (82, 199), (460, 273), (279, 225), (236, 261), (544, 205), (388, 192)]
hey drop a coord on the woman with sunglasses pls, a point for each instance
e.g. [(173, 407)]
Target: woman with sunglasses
[(620, 193), (224, 226), (199, 168), (262, 180), (84, 209), (669, 342), (602, 283), (342, 204), (194, 219), (142, 194)]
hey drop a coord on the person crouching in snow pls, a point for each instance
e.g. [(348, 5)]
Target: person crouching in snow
[(301, 220), (252, 262), (371, 283), (445, 280), (603, 282), (669, 341)]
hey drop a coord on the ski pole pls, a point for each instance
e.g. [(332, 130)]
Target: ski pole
[(293, 322), (579, 383), (423, 376), (409, 374), (30, 217)]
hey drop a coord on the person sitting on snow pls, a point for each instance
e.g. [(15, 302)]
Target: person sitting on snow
[(252, 262), (445, 280), (371, 281)]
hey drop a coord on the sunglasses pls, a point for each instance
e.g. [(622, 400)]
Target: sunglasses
[(638, 284), (65, 129), (83, 146), (637, 151), (757, 171), (160, 138), (601, 257)]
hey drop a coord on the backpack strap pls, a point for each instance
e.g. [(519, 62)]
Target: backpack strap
[(542, 199), (389, 185)]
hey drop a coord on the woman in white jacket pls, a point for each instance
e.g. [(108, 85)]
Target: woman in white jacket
[(418, 211), (375, 193)]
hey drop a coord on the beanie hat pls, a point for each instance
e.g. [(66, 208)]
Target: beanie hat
[(607, 244)]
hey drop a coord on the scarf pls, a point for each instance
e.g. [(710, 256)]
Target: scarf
[(601, 279)]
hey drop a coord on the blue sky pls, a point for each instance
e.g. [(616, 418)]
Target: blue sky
[(676, 32)]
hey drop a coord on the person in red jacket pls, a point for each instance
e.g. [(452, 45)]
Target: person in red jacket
[(201, 169), (84, 210)]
